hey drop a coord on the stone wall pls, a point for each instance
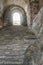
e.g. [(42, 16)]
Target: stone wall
[(1, 7), (37, 26), (1, 12), (34, 8), (21, 3), (30, 6), (24, 4), (40, 3)]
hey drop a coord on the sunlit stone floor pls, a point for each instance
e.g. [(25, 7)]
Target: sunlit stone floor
[(13, 44)]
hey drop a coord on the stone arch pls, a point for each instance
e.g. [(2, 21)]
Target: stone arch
[(14, 8)]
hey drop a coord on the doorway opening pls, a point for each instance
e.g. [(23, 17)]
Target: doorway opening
[(16, 18), (15, 15)]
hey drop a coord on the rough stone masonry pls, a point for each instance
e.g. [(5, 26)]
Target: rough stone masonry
[(18, 45), (13, 44), (34, 52)]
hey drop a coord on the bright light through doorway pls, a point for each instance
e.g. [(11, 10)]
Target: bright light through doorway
[(16, 18)]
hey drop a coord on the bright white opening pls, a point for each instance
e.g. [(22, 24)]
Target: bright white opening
[(16, 18)]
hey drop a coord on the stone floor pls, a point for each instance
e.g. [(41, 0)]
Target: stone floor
[(14, 45)]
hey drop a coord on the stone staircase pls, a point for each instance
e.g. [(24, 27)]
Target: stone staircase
[(13, 44)]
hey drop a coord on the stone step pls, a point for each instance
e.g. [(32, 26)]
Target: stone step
[(13, 46)]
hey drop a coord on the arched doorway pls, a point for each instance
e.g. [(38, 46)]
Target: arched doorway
[(15, 15), (16, 18)]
